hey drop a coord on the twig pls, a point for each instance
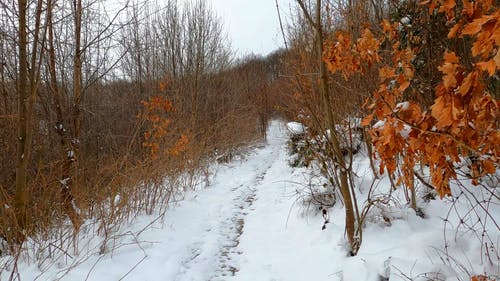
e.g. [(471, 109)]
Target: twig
[(281, 24), (134, 267), (422, 180)]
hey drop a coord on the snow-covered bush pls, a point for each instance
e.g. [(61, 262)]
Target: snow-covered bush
[(304, 147), (299, 146), (350, 133), (308, 149)]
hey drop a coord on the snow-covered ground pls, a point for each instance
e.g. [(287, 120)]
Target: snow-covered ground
[(248, 225)]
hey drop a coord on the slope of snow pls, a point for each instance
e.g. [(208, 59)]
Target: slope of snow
[(249, 225)]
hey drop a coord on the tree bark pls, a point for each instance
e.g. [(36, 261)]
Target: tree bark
[(69, 167), (27, 87), (67, 151), (23, 133)]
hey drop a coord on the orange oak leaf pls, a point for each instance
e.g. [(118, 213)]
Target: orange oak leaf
[(475, 26), (488, 66)]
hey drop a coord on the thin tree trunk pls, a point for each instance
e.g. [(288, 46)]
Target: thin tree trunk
[(27, 91), (77, 72), (67, 152), (23, 147), (350, 221), (69, 168)]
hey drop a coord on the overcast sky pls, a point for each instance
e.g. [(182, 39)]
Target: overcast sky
[(252, 25)]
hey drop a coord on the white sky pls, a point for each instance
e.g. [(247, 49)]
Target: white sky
[(252, 25)]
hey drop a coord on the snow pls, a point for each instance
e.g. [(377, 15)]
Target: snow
[(379, 124), (251, 224), (65, 181), (405, 131), (296, 128), (59, 127), (402, 106), (406, 21)]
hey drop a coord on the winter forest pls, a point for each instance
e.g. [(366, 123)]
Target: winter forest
[(136, 143)]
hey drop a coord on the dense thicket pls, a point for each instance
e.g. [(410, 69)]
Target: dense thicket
[(424, 74), (89, 88)]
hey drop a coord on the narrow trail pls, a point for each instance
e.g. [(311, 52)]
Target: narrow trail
[(216, 250), (233, 228)]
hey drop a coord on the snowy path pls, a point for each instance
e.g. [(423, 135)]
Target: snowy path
[(214, 249), (239, 228), (236, 229)]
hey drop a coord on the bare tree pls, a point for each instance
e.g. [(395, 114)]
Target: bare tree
[(28, 82), (345, 169)]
